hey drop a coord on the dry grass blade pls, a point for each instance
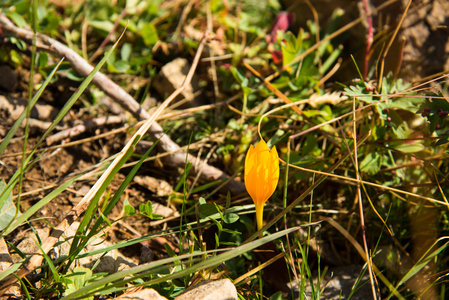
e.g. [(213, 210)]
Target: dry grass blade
[(355, 160)]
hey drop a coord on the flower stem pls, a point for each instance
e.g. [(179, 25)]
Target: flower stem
[(259, 217)]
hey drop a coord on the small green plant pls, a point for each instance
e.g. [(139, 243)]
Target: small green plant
[(145, 209)]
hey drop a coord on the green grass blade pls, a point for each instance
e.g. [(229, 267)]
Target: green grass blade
[(208, 263), (12, 182), (425, 259), (11, 270), (80, 90), (78, 242), (50, 264), (22, 116), (120, 191), (29, 212)]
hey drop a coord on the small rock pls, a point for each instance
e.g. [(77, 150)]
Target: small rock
[(222, 289), (11, 107), (172, 76), (28, 245), (158, 186), (6, 260), (145, 294)]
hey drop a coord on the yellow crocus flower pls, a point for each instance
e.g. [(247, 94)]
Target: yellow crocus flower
[(261, 176)]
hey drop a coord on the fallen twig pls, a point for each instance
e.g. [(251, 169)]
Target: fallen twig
[(82, 67), (78, 129)]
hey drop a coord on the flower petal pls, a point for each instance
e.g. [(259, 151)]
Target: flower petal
[(261, 172)]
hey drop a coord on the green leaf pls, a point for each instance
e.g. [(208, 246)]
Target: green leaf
[(238, 76), (358, 92), (309, 145), (72, 75), (230, 218), (217, 240), (277, 296), (120, 66), (437, 103), (129, 210), (149, 34), (126, 51), (207, 210), (106, 26), (156, 217), (169, 250), (409, 147), (220, 227), (228, 200), (146, 209), (143, 209), (17, 18), (289, 50), (41, 59), (77, 279), (149, 208), (8, 210), (371, 163), (442, 142)]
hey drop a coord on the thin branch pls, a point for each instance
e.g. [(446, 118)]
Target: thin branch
[(79, 129)]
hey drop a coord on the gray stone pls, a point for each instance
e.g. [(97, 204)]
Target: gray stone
[(222, 289)]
